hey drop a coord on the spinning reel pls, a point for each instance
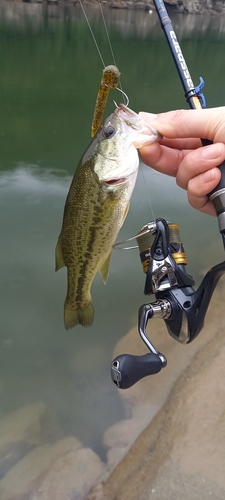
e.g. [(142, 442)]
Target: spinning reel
[(163, 258), (181, 307)]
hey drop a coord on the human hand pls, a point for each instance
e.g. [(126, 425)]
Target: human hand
[(180, 153)]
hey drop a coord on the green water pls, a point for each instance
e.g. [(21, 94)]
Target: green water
[(50, 72)]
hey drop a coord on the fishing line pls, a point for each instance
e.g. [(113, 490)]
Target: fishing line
[(147, 191), (96, 43), (107, 33), (92, 34), (125, 97), (112, 52)]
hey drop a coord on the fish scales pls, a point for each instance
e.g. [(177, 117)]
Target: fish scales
[(97, 216), (95, 209)]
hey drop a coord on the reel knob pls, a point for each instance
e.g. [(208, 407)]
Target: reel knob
[(127, 369)]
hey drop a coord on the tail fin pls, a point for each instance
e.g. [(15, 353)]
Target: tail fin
[(83, 316)]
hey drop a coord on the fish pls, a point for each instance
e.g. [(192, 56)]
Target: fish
[(96, 207)]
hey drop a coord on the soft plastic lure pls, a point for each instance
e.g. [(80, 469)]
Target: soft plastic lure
[(110, 80)]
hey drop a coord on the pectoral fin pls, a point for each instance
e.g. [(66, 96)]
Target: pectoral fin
[(104, 270), (126, 211), (59, 261)]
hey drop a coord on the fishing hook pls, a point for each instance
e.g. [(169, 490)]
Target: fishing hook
[(125, 96)]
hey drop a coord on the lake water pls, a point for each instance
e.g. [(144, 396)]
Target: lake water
[(50, 72)]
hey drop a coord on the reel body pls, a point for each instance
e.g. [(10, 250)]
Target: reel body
[(181, 307)]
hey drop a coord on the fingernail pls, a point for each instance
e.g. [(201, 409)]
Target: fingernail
[(212, 151), (208, 176)]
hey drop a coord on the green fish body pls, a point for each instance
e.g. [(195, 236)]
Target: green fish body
[(96, 206)]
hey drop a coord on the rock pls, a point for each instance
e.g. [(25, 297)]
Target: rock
[(182, 451), (146, 398), (118, 438), (115, 455), (23, 429), (185, 6), (11, 455), (23, 424), (26, 476), (71, 477), (129, 4), (119, 435)]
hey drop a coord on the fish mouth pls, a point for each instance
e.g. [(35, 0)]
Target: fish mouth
[(123, 108), (145, 134), (129, 116), (112, 182)]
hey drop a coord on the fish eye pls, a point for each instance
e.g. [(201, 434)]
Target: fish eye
[(109, 132)]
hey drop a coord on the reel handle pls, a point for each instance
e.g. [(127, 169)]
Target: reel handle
[(127, 369)]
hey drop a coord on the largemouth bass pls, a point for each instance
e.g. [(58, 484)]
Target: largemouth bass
[(96, 206)]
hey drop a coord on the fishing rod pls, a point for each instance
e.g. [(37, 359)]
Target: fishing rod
[(163, 258), (196, 100)]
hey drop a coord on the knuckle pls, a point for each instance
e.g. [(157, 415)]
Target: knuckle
[(179, 115)]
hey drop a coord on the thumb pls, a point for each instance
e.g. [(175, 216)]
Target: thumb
[(201, 123)]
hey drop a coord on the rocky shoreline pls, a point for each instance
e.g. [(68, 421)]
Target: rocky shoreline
[(181, 452), (181, 6)]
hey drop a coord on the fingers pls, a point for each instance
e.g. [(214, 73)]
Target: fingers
[(198, 189), (204, 123), (199, 175), (181, 154), (180, 144), (199, 161), (162, 158)]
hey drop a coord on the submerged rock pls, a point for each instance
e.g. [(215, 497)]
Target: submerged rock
[(23, 429), (23, 424), (33, 468), (26, 477), (72, 476)]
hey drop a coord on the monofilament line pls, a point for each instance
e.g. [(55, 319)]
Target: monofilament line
[(107, 33), (110, 46), (95, 41), (93, 36), (147, 191)]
